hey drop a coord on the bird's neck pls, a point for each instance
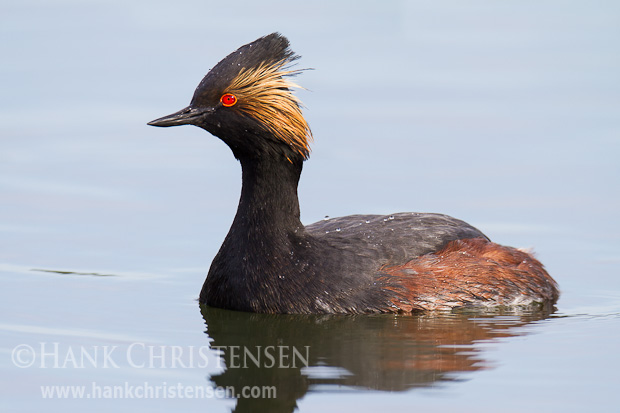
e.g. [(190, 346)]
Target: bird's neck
[(269, 205), (258, 253)]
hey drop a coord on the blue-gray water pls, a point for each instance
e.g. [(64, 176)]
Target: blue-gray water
[(504, 114)]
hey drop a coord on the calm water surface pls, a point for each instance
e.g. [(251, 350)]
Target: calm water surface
[(504, 115)]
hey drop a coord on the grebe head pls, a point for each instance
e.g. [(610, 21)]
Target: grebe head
[(246, 100)]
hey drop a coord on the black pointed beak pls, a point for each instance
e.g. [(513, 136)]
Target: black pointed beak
[(187, 116)]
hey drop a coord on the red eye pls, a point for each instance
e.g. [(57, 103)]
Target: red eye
[(228, 99)]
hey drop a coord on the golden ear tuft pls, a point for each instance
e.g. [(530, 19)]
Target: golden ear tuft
[(265, 94)]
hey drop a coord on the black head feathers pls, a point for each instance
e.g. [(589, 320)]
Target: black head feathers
[(247, 97)]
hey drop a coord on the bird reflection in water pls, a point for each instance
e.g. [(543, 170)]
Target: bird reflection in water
[(383, 352)]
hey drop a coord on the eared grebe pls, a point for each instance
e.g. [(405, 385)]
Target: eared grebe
[(271, 263)]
